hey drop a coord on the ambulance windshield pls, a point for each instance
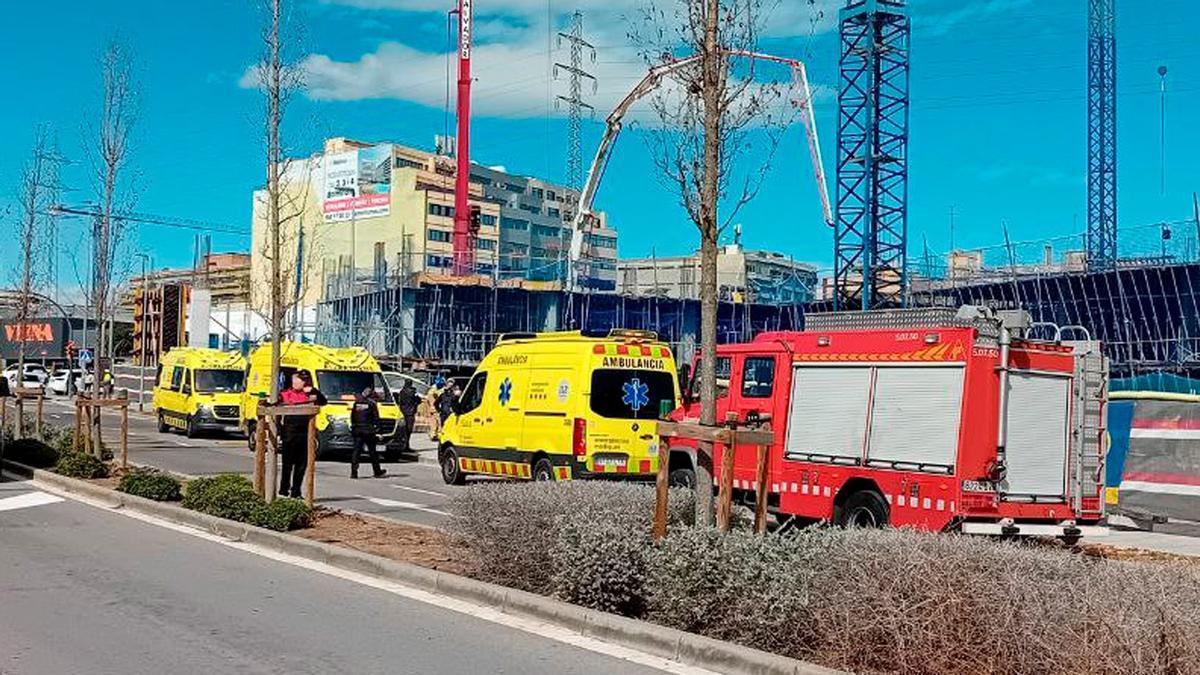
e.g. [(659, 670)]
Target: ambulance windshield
[(344, 385), (220, 381), (632, 394)]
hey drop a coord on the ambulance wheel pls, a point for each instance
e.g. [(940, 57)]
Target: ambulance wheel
[(682, 478), (162, 424), (543, 471), (190, 430), (451, 473), (866, 508)]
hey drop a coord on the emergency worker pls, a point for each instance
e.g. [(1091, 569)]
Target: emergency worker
[(409, 402), (364, 427), (293, 432)]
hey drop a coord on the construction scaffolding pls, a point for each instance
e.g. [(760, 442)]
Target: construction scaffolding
[(446, 322)]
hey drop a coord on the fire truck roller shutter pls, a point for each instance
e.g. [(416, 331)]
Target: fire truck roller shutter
[(1038, 429), (820, 395), (916, 415)]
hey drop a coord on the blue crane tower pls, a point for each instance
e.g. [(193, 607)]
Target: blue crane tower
[(1102, 135), (871, 228)]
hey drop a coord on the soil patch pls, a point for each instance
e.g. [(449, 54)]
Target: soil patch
[(422, 546), (1111, 552)]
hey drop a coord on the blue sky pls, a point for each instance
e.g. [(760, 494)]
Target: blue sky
[(998, 114)]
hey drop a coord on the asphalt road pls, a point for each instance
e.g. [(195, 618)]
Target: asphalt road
[(90, 592), (413, 491)]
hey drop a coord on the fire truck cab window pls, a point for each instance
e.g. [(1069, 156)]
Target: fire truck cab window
[(724, 373), (758, 377), (472, 396)]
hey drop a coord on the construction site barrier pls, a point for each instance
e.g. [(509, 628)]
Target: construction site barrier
[(1155, 450)]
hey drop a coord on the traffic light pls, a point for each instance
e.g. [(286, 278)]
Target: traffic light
[(71, 350), (476, 219)]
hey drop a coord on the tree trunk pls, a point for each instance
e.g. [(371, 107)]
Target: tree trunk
[(274, 75), (711, 66)]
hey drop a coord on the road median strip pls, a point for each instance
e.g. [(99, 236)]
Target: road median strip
[(686, 648)]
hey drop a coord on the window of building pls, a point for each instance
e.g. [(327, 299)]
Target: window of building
[(602, 242), (482, 180), (404, 162), (443, 210), (513, 187), (485, 244), (529, 208), (507, 223), (441, 261), (487, 220), (538, 192), (485, 268), (438, 235), (553, 212), (551, 195), (512, 248), (546, 231)]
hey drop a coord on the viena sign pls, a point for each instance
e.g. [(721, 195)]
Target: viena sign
[(42, 338)]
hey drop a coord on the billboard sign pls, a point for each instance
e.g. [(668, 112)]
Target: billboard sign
[(42, 338), (358, 184)]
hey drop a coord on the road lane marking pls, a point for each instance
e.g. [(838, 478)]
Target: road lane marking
[(424, 492), (401, 505), (491, 615), (28, 500)]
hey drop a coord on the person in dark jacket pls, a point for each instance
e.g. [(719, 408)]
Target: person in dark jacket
[(445, 402), (293, 432), (364, 427), (409, 402)]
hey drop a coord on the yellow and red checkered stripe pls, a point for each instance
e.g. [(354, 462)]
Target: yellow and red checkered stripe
[(613, 349), (495, 467)]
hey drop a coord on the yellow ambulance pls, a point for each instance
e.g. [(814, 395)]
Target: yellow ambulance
[(339, 373), (558, 406), (199, 390)]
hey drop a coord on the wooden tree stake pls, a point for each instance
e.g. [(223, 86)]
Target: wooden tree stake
[(662, 493), (760, 492), (310, 475)]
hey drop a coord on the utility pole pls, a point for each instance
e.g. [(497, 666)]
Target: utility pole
[(1102, 135), (146, 265)]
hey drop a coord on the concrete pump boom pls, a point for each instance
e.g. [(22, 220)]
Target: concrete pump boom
[(614, 124)]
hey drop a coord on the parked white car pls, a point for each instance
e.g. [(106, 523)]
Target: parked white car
[(36, 375), (60, 381)]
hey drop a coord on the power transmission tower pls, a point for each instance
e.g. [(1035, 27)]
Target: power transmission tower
[(575, 103), (1102, 135), (871, 229)]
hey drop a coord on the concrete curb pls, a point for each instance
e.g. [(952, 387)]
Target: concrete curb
[(686, 648)]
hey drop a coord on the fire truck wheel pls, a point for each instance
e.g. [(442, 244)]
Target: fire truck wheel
[(451, 473), (162, 424), (543, 470), (682, 478), (866, 508), (251, 436)]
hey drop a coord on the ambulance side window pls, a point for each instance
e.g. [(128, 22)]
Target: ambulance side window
[(177, 378), (472, 396), (758, 377)]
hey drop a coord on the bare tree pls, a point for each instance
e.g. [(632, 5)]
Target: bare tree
[(710, 112), (37, 194), (279, 77), (110, 158)]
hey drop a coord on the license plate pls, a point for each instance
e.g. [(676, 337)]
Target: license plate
[(978, 486), (610, 461)]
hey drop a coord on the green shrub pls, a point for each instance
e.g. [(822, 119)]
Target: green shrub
[(32, 452), (151, 484), (80, 465), (601, 565), (225, 496), (510, 529), (283, 514)]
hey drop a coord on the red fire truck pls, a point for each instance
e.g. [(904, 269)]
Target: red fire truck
[(940, 419)]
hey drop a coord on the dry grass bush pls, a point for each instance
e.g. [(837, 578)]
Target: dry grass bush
[(511, 529), (907, 602), (889, 601)]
